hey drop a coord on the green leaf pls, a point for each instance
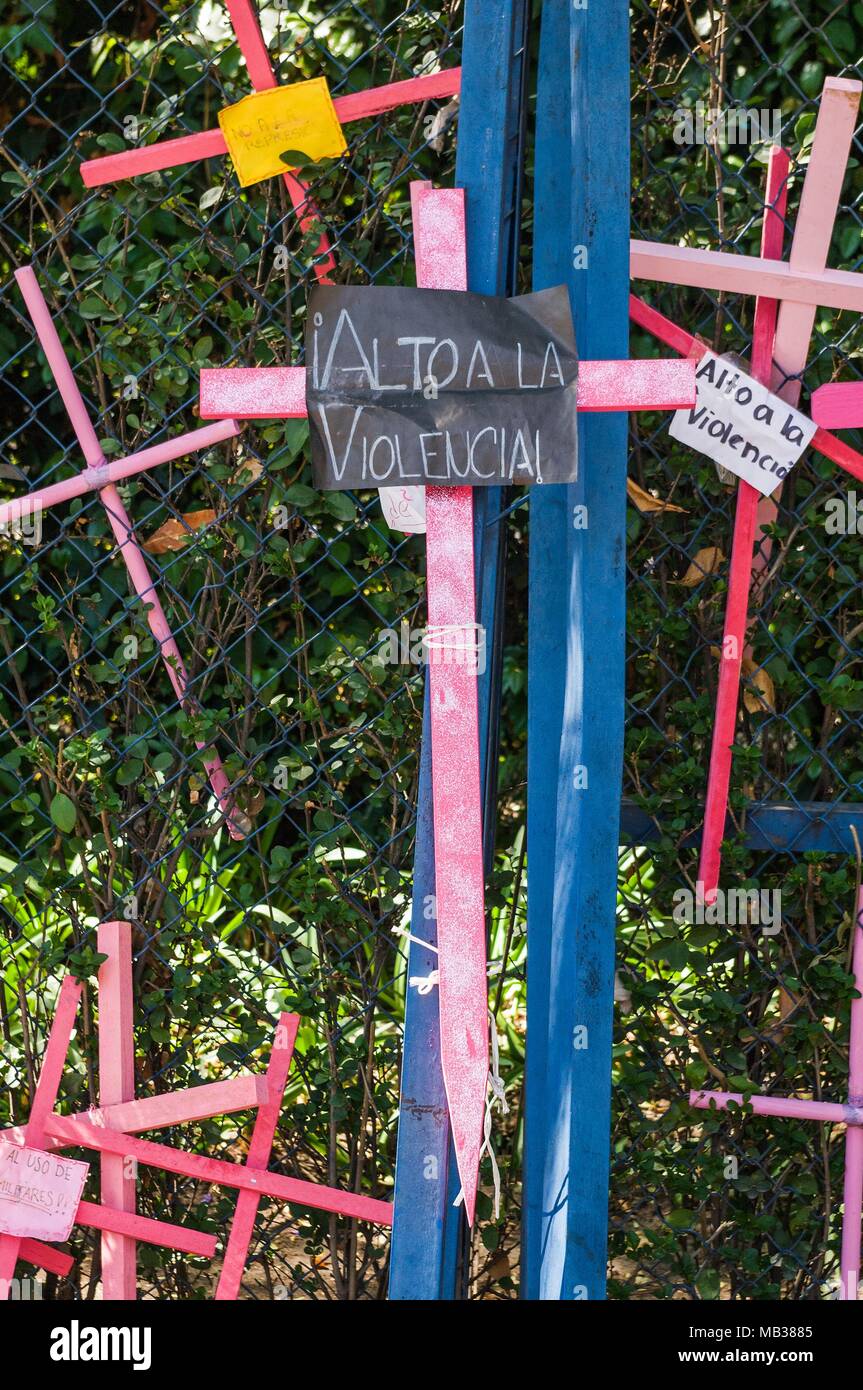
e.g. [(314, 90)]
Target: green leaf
[(63, 813), (295, 159), (211, 197), (300, 496)]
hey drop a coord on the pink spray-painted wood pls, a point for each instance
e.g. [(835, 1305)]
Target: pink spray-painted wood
[(35, 1133), (121, 526), (47, 1257), (823, 442), (278, 393), (736, 274), (120, 1224), (243, 1092), (819, 202), (131, 1227), (853, 1185), (810, 247), (47, 1087), (839, 405), (116, 1084), (244, 18), (740, 572), (95, 479), (441, 264), (260, 1147), (850, 1114), (210, 144), (216, 1170)]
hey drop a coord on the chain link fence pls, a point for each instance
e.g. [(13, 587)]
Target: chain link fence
[(727, 1205), (281, 598)]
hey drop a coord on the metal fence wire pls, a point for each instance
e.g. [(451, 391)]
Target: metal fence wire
[(724, 1205), (280, 597)]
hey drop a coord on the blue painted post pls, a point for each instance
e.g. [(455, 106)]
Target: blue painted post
[(576, 672), (426, 1228)]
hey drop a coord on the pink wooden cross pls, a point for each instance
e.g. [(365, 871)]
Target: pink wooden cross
[(839, 404), (121, 1222), (279, 392), (102, 477), (850, 1114), (787, 298), (209, 144), (108, 1130)]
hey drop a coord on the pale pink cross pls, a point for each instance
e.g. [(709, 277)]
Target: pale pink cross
[(209, 144), (280, 392), (850, 1114), (102, 477), (110, 1129), (788, 295)]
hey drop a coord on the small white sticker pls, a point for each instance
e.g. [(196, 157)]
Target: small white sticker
[(738, 423), (404, 508)]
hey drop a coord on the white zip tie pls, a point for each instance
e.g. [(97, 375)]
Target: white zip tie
[(496, 1092)]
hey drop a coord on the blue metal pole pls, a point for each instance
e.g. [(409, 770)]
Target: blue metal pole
[(426, 1242), (576, 622)]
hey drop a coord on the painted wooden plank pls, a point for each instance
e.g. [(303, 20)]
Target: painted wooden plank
[(116, 1084), (824, 1112), (132, 1227), (810, 245), (740, 568), (771, 1105), (124, 534), (550, 521), (276, 393), (819, 203), (244, 17), (838, 405), (838, 452), (440, 243), (820, 826), (42, 1103), (215, 1170), (47, 1257), (587, 70), (210, 144), (258, 1156), (94, 479), (737, 274), (426, 1238), (243, 1092)]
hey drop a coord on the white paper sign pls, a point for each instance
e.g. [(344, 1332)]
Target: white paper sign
[(739, 423), (39, 1191)]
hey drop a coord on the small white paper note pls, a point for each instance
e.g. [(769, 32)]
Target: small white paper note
[(739, 423), (404, 508), (39, 1192)]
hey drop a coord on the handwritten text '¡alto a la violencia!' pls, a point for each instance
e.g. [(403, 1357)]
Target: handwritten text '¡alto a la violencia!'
[(427, 367)]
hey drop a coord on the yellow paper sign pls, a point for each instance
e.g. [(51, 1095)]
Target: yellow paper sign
[(300, 117)]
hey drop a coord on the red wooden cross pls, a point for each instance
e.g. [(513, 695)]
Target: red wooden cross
[(787, 298), (209, 144)]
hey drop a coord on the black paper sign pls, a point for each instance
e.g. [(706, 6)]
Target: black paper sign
[(440, 387)]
